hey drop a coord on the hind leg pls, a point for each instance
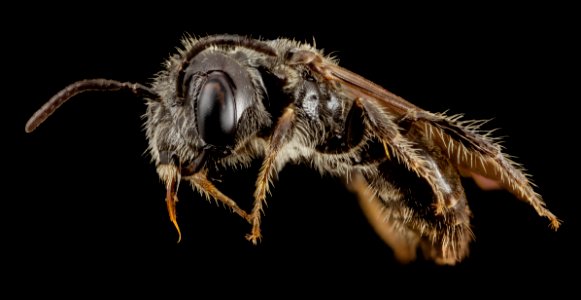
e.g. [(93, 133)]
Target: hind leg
[(403, 242)]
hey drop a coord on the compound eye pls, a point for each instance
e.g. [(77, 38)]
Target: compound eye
[(216, 110)]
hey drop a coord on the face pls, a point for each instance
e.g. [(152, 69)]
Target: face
[(210, 106)]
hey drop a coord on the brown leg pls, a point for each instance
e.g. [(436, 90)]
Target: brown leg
[(484, 160), (201, 183), (403, 243), (279, 137), (170, 175)]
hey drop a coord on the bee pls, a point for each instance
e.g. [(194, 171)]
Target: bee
[(224, 101)]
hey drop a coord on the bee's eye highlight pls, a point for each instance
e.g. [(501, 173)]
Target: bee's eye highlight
[(216, 110)]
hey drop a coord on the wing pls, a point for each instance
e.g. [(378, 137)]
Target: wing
[(472, 152)]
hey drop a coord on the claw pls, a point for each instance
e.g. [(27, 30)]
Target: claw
[(255, 238)]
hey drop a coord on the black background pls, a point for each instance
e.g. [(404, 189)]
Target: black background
[(84, 207)]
